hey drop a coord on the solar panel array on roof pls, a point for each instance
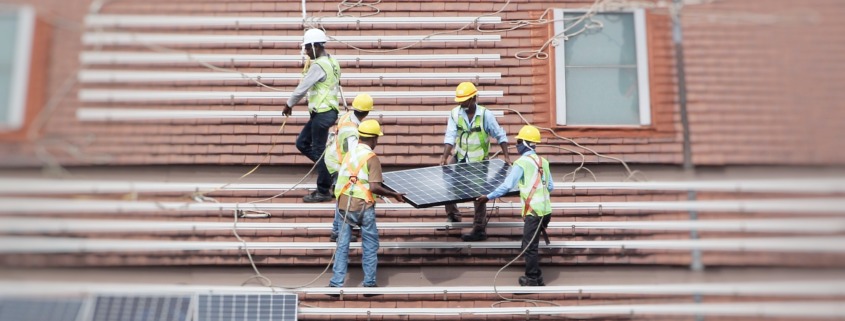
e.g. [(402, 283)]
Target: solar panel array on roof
[(246, 307), (141, 308), (438, 185), (32, 309)]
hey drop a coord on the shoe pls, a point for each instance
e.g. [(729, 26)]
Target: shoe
[(317, 197), (474, 236), (333, 238), (334, 295), (526, 281), (370, 295), (453, 218)]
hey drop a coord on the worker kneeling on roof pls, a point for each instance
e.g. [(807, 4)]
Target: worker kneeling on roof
[(531, 173), (359, 177)]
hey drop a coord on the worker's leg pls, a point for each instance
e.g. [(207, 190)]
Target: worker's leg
[(452, 213), (479, 221), (531, 239), (303, 141), (369, 235), (321, 123), (341, 254)]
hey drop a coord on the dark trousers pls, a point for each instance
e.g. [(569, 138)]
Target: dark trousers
[(479, 218), (532, 259), (312, 142)]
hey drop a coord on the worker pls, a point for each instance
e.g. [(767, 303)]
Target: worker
[(344, 139), (531, 173), (358, 179), (320, 82), (468, 130)]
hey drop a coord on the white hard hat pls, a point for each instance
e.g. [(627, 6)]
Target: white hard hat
[(314, 36)]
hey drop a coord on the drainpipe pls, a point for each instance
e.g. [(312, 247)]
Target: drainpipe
[(689, 168)]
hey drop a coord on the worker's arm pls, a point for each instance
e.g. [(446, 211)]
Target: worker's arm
[(551, 183), (313, 76), (449, 140), (507, 185), (491, 126), (378, 188)]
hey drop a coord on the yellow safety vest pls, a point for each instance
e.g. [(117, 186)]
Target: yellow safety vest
[(322, 97), (336, 148), (533, 189), (353, 178), (471, 143)]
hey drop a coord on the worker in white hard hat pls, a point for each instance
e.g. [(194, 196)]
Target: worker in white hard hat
[(468, 130), (320, 82), (344, 139)]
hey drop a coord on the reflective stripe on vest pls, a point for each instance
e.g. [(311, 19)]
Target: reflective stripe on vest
[(322, 97), (353, 179), (471, 143), (346, 127), (532, 186)]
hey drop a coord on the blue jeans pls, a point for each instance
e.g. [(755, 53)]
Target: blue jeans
[(369, 234), (312, 142)]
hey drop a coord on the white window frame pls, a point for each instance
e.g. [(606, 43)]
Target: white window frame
[(642, 67), (20, 68)]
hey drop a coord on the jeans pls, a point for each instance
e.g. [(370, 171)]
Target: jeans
[(532, 259), (369, 234), (312, 142)]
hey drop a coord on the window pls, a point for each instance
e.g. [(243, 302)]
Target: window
[(602, 74), (16, 31)]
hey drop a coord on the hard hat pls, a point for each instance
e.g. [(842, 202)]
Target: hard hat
[(369, 128), (465, 91), (314, 36), (529, 133), (363, 102)]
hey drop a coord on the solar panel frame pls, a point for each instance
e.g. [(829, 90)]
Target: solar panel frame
[(455, 183)]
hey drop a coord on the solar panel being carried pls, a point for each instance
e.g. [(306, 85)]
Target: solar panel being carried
[(438, 185), (247, 307)]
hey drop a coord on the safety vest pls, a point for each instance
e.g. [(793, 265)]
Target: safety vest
[(471, 143), (353, 178), (533, 188), (322, 97), (336, 148)]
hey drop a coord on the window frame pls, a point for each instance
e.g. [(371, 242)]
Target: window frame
[(643, 85), (20, 67)]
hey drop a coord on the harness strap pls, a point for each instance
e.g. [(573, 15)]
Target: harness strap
[(354, 178), (527, 206)]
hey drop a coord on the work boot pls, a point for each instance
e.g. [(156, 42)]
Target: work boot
[(475, 236), (453, 218), (370, 295), (526, 281), (317, 197)]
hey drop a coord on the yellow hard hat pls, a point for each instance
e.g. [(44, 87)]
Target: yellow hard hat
[(529, 133), (369, 128), (363, 102), (465, 91)]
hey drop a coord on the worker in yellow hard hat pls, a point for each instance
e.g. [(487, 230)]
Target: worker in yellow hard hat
[(321, 83), (531, 173), (344, 139), (468, 130), (358, 179)]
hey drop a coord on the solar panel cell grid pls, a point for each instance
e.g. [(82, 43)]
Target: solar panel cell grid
[(438, 185)]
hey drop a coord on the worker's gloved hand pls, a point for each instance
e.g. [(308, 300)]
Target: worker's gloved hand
[(287, 110), (482, 199)]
